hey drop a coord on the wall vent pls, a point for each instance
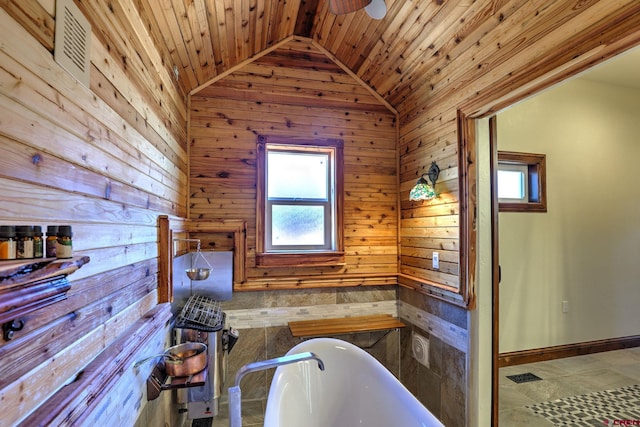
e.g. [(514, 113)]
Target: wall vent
[(72, 41), (420, 349)]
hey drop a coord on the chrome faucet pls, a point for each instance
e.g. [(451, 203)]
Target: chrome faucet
[(274, 363), (235, 395)]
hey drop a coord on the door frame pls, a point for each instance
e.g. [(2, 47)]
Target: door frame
[(594, 46)]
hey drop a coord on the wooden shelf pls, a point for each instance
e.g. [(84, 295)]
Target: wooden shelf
[(346, 325), (28, 270), (29, 285)]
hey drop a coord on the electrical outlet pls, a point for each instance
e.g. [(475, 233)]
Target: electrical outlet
[(436, 260), (565, 306)]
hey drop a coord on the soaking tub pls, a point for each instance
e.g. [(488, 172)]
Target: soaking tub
[(353, 390)]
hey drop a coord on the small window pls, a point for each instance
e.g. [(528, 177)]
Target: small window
[(299, 199), (513, 183), (521, 182), (299, 202)]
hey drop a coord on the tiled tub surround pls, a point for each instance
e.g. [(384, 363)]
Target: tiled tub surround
[(262, 317), (441, 387)]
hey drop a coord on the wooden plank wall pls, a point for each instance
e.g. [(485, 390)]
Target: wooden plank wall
[(297, 91), (496, 49), (107, 160)]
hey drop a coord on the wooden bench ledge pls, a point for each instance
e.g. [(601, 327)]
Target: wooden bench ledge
[(345, 325)]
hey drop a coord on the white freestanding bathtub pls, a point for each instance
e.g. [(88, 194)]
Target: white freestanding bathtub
[(353, 390)]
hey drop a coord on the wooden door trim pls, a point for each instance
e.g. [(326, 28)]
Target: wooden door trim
[(613, 35)]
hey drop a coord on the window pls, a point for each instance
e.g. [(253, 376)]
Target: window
[(513, 183), (521, 182), (299, 202), (299, 198)]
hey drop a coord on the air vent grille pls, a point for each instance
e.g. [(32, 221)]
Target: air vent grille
[(73, 39), (420, 349), (524, 378)]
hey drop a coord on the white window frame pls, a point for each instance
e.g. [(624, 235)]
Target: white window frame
[(524, 170), (328, 203)]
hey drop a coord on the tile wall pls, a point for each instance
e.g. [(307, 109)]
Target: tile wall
[(442, 387), (261, 318)]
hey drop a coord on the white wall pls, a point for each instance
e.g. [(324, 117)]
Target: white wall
[(586, 248)]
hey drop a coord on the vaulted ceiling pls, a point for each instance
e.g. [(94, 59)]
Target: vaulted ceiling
[(206, 38)]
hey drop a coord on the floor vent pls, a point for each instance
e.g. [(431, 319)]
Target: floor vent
[(202, 422), (523, 378), (72, 40)]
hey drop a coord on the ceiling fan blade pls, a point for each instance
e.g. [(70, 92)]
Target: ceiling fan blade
[(340, 7)]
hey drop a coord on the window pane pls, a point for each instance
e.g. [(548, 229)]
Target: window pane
[(297, 175), (297, 225), (511, 184)]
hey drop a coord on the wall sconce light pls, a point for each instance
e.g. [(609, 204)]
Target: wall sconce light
[(423, 190)]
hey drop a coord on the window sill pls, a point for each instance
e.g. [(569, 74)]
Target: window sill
[(296, 259), (522, 207)]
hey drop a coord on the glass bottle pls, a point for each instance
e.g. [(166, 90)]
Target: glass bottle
[(38, 243), (64, 246), (52, 241), (7, 242), (24, 241)]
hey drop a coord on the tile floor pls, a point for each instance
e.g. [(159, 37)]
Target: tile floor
[(563, 378)]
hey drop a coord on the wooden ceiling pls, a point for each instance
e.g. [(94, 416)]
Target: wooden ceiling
[(206, 38)]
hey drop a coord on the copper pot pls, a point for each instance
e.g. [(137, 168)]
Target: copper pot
[(186, 359)]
